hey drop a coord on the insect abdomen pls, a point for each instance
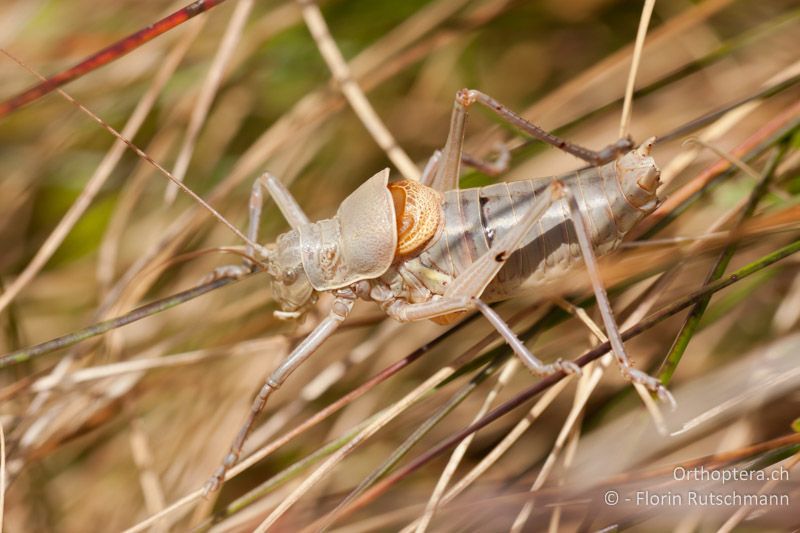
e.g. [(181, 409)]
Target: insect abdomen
[(475, 218)]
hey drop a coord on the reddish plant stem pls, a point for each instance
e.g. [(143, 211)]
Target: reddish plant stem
[(107, 54)]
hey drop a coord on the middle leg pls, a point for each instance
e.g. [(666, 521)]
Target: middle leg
[(340, 309), (464, 291), (408, 312)]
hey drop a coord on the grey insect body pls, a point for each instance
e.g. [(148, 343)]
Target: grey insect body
[(428, 250)]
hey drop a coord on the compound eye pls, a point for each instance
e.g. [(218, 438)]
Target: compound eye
[(289, 277)]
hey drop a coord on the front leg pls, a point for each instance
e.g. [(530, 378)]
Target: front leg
[(288, 206), (341, 308)]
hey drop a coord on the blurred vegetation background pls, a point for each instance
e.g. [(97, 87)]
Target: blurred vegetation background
[(98, 452)]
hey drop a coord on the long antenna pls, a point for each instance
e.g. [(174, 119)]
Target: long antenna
[(141, 153)]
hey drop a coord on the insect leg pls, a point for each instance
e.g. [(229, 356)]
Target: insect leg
[(254, 220), (472, 282), (408, 312), (289, 207), (429, 172), (339, 311), (612, 330), (449, 167), (490, 168), (531, 361), (610, 152)]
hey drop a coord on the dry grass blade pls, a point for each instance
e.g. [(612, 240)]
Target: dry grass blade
[(380, 421), (139, 152), (627, 105), (122, 430), (355, 96), (501, 448), (786, 120), (495, 359), (25, 354), (151, 487), (742, 513), (2, 476), (458, 454), (207, 92), (101, 175)]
